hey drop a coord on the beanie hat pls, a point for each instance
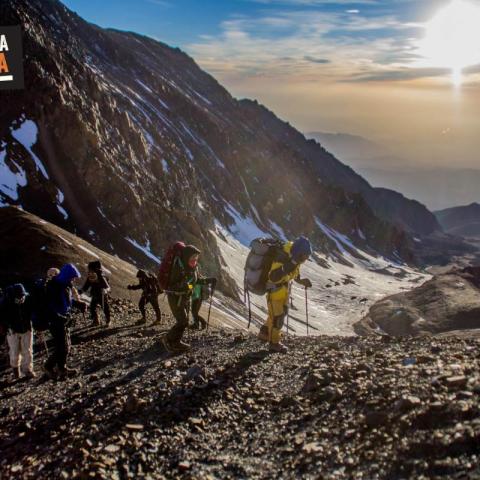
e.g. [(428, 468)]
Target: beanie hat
[(301, 247)]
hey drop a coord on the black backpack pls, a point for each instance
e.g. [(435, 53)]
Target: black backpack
[(153, 288)]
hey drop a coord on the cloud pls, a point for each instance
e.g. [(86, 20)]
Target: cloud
[(303, 43), (161, 3), (398, 75), (316, 60)]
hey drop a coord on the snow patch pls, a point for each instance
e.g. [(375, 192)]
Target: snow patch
[(244, 229), (60, 199), (63, 212), (65, 240), (86, 250), (332, 310), (102, 213), (26, 134), (10, 181), (144, 249)]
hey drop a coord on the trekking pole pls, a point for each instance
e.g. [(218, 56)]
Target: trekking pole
[(103, 307), (210, 308), (306, 308), (249, 310), (289, 300)]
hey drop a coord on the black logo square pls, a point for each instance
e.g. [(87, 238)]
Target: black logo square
[(11, 58)]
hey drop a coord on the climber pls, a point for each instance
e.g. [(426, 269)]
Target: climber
[(150, 291), (285, 268), (59, 305), (180, 267), (99, 288), (16, 316)]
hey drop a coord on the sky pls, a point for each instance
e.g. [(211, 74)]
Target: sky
[(404, 73)]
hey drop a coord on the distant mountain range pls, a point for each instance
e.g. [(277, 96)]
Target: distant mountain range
[(462, 221), (435, 187)]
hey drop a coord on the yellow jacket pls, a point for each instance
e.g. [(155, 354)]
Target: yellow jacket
[(286, 279)]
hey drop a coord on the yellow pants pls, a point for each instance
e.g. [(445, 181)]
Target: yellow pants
[(277, 303)]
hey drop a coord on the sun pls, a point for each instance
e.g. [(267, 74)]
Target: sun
[(452, 38)]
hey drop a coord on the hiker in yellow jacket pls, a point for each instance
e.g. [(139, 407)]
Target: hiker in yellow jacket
[(285, 268)]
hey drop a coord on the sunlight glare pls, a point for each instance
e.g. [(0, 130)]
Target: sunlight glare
[(452, 38)]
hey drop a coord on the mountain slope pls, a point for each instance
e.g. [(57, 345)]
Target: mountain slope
[(463, 221), (30, 246), (125, 141)]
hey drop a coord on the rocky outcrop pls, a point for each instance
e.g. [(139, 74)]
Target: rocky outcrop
[(445, 303)]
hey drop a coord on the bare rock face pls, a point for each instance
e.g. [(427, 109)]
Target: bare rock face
[(119, 136), (445, 303)]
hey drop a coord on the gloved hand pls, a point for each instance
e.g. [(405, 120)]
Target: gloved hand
[(129, 287), (305, 282)]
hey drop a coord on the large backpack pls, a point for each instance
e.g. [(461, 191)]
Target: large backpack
[(38, 297), (165, 268), (259, 262), (152, 284)]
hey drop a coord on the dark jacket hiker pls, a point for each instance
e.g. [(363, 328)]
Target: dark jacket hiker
[(150, 291), (59, 304), (16, 316), (98, 286), (182, 279)]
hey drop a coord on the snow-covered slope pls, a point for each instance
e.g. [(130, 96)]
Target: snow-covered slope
[(344, 286)]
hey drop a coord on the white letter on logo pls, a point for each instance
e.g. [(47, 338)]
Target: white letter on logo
[(3, 43)]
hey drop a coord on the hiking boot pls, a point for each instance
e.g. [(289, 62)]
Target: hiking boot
[(16, 373), (278, 348), (142, 321), (30, 374), (67, 373), (166, 344), (263, 334), (183, 346), (158, 321), (178, 347), (95, 323), (50, 372)]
